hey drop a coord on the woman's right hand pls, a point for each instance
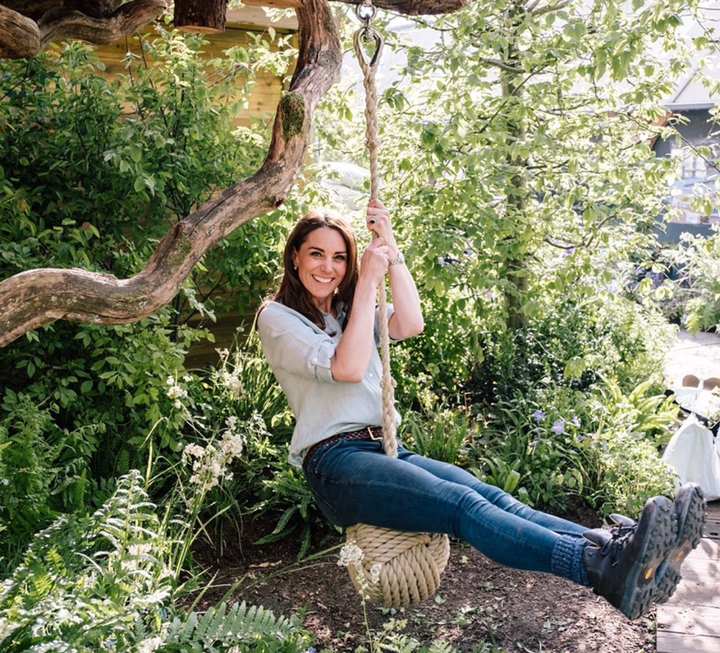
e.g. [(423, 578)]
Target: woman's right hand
[(374, 261)]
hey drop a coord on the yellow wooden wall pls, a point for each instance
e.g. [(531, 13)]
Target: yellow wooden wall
[(242, 25)]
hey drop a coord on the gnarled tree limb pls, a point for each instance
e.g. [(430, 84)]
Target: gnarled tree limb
[(59, 24), (19, 35), (36, 297), (25, 29)]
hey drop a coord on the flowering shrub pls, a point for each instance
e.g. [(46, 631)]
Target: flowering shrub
[(110, 582)]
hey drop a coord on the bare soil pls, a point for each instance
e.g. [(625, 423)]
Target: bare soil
[(479, 602)]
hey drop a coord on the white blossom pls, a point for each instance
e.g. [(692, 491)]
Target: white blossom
[(150, 645), (350, 554)]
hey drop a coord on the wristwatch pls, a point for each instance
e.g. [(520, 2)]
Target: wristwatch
[(398, 258)]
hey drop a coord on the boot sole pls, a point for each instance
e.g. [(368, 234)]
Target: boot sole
[(691, 524), (643, 581)]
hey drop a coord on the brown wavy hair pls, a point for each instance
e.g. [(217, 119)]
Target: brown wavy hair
[(292, 292)]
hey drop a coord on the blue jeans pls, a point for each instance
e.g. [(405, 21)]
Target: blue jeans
[(353, 481)]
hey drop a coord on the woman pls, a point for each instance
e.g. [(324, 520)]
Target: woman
[(319, 334)]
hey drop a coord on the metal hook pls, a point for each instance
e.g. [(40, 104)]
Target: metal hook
[(367, 35)]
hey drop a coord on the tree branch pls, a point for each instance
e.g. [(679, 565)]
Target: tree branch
[(407, 7), (501, 64), (20, 35), (59, 24), (36, 297), (26, 26)]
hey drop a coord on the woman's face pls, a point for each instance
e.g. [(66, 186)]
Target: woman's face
[(321, 264)]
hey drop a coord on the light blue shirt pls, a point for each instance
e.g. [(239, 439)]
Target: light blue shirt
[(299, 353)]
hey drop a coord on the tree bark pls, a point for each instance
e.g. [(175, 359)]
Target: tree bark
[(25, 30), (200, 15), (21, 35), (36, 297), (59, 24)]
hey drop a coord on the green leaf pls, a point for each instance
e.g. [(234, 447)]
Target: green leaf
[(135, 153)]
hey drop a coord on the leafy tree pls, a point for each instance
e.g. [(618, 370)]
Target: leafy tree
[(519, 157)]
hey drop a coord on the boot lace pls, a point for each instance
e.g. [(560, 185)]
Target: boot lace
[(620, 537)]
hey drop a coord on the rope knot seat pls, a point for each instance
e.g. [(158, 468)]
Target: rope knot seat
[(397, 568)]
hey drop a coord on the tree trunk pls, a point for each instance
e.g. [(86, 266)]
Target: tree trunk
[(36, 297), (511, 91), (207, 16)]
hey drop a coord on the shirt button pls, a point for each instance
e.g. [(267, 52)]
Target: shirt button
[(370, 375)]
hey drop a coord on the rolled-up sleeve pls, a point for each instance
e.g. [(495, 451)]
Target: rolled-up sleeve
[(292, 343)]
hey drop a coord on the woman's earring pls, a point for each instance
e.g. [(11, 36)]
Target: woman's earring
[(294, 267)]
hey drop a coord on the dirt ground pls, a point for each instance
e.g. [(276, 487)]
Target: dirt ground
[(479, 602)]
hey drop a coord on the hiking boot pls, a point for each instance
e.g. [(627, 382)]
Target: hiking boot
[(621, 520), (689, 506), (622, 562)]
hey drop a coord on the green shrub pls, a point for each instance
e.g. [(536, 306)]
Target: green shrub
[(110, 581), (93, 173), (698, 261), (438, 431)]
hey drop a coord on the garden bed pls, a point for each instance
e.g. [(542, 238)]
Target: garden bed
[(478, 602)]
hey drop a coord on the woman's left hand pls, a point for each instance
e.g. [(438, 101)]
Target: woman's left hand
[(377, 218)]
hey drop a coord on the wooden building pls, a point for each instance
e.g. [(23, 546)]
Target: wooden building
[(242, 25)]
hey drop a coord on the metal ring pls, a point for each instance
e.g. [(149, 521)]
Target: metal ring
[(365, 12)]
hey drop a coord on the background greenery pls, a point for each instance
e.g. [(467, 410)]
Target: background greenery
[(516, 160)]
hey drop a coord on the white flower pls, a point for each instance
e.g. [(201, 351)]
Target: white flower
[(375, 572), (139, 549), (232, 382), (350, 554), (194, 450), (150, 645)]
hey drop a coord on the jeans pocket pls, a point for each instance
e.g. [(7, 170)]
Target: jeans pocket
[(326, 508), (315, 462)]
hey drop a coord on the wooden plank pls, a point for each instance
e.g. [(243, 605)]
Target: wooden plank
[(701, 574), (712, 529), (713, 507), (681, 643), (694, 593), (691, 621), (256, 17), (708, 549)]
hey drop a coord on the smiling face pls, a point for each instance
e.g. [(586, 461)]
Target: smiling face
[(322, 264)]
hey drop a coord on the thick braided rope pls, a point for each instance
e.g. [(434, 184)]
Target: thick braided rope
[(372, 142), (409, 564), (398, 568)]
